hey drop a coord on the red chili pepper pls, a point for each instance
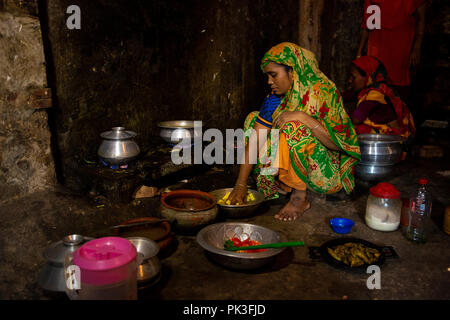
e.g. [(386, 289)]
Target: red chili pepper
[(236, 242)]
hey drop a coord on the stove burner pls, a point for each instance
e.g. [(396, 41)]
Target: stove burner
[(114, 166), (178, 146)]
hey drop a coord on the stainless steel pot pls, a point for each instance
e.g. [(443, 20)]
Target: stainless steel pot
[(372, 172), (149, 263), (118, 146), (51, 277), (380, 149), (177, 131)]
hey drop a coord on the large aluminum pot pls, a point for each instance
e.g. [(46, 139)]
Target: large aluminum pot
[(177, 131), (380, 149), (118, 146)]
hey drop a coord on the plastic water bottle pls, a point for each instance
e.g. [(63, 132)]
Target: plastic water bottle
[(419, 214)]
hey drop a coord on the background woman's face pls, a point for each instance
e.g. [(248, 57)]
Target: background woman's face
[(278, 78), (356, 80)]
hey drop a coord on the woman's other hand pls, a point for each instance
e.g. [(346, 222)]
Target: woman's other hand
[(238, 194), (415, 57)]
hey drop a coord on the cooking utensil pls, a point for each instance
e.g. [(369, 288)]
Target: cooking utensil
[(379, 152), (380, 149), (341, 225), (118, 147), (237, 211), (149, 265), (192, 209), (51, 277), (129, 225), (159, 232), (370, 172), (108, 270), (230, 246), (321, 253), (177, 131), (212, 238)]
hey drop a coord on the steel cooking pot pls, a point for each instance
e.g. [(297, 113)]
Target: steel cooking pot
[(118, 146), (178, 131), (149, 265), (380, 149), (370, 172), (51, 277)]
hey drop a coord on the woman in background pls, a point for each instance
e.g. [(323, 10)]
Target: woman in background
[(397, 44), (379, 108)]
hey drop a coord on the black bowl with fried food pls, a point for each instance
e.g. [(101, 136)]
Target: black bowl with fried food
[(352, 254)]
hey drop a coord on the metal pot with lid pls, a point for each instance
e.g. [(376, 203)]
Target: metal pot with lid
[(51, 277), (118, 146), (379, 153)]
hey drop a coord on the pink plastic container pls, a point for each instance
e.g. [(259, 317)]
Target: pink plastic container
[(108, 269)]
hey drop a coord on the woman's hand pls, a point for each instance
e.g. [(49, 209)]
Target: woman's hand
[(290, 116), (238, 194), (415, 57)]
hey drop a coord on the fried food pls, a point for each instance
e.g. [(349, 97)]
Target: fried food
[(225, 200), (354, 254)]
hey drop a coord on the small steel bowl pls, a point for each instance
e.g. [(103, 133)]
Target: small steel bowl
[(149, 265), (213, 237), (237, 211)]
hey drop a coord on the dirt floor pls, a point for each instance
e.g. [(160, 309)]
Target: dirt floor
[(422, 271)]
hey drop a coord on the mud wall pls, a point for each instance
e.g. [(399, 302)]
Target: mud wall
[(26, 161)]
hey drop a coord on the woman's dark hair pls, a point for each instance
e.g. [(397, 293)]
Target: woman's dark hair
[(361, 71), (287, 68)]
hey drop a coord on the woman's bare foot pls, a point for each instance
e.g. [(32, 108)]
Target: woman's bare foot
[(282, 188), (298, 203)]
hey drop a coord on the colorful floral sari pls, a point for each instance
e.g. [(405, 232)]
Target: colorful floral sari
[(321, 169), (377, 88)]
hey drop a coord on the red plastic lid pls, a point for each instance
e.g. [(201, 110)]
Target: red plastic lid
[(385, 190), (423, 181)]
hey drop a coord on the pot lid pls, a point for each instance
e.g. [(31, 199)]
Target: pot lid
[(104, 254), (376, 138), (56, 252), (385, 190), (118, 133)]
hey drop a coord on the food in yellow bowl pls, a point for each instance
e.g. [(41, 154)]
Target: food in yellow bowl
[(225, 200)]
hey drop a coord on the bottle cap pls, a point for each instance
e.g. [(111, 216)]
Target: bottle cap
[(385, 190), (423, 181)]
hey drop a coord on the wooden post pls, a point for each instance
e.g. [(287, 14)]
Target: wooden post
[(309, 25)]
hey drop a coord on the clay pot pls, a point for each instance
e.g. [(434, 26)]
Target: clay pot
[(192, 209), (158, 232)]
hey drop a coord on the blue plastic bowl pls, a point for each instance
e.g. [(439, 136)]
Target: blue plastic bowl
[(341, 225)]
